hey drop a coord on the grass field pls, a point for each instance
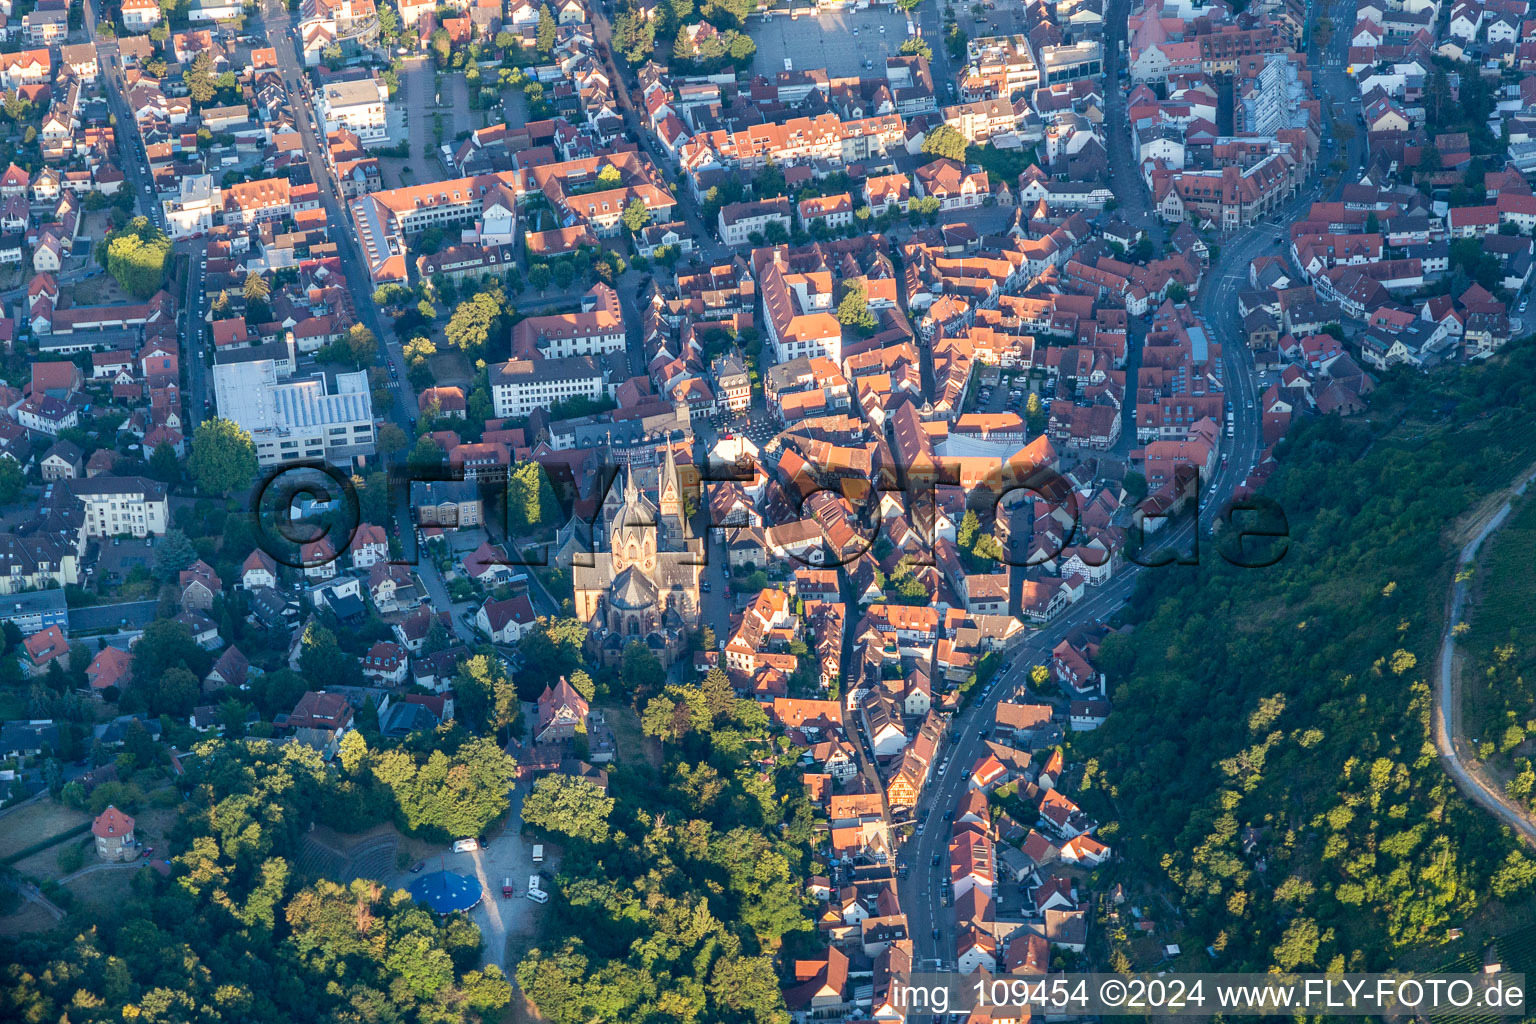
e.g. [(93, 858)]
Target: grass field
[(30, 918), (1507, 585), (102, 890), (626, 733), (34, 823)]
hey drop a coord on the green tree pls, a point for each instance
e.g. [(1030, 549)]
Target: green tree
[(457, 794), (546, 31), (255, 287), (173, 554), (176, 692), (550, 649), (223, 456), (945, 141), (362, 346), (1034, 413), (531, 503), (470, 326), (641, 669), (965, 533), (1298, 946), (12, 482), (322, 661), (853, 311), (164, 464), (609, 177), (136, 257), (918, 46), (199, 78), (635, 215), (484, 694), (988, 547), (390, 439), (568, 806)]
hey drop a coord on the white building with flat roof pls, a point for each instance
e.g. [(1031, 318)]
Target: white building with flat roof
[(295, 420), (358, 106), (192, 210)]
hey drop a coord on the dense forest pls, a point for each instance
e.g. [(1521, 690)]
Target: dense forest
[(1499, 702), (1268, 765), (235, 934), (676, 890)]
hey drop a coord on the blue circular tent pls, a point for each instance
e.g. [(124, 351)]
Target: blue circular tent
[(444, 892)]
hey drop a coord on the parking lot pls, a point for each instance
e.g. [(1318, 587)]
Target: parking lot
[(840, 41), (509, 856)]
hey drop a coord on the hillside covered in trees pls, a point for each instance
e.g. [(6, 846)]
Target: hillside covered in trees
[(676, 891), (1280, 716), (236, 934)]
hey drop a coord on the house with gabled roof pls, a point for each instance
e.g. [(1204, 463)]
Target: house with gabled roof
[(258, 570), (561, 712), (110, 667)]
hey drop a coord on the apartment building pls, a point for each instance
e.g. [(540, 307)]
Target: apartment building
[(998, 67), (798, 309), (140, 15), (44, 28), (739, 221), (597, 329), (358, 106), (267, 199), (385, 218), (28, 67), (519, 386), (294, 420), (192, 210), (115, 506), (824, 138)]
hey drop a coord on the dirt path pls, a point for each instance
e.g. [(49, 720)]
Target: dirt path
[(1450, 738), (91, 869)]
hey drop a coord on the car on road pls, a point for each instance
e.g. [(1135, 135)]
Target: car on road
[(705, 586), (882, 30), (935, 933), (936, 858), (920, 826), (416, 868)]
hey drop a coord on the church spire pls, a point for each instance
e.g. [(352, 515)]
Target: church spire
[(669, 491), (631, 491)]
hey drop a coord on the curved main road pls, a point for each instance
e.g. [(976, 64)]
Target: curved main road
[(1217, 304), (1447, 714)]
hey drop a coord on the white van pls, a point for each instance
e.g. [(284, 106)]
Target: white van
[(538, 853), (538, 895), (533, 883), (465, 845)]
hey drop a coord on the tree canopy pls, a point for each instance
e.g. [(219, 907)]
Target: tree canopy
[(1312, 728), (223, 456), (472, 322), (944, 140), (136, 257), (237, 931)]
